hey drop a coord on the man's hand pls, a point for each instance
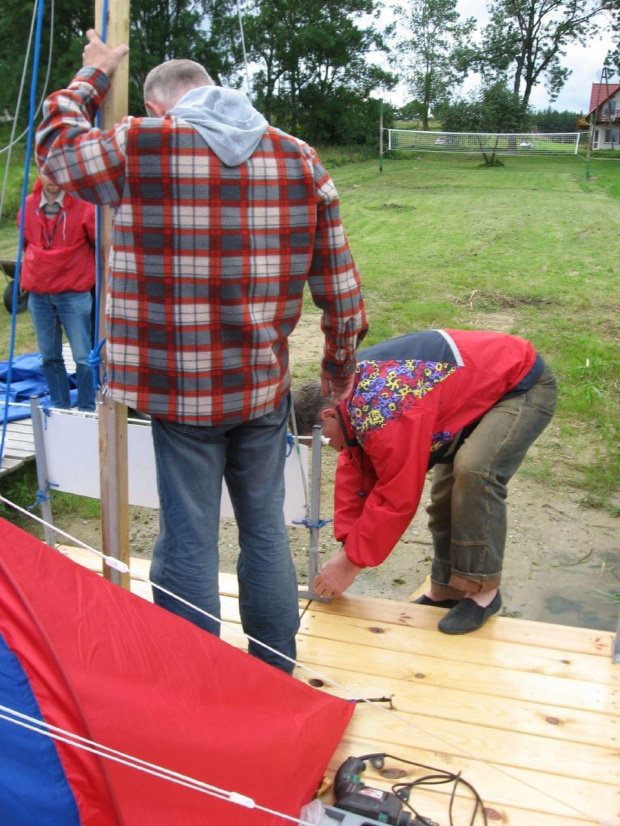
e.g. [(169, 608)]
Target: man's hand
[(97, 54), (338, 389), (336, 576)]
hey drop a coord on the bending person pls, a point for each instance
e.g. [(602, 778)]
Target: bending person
[(469, 404)]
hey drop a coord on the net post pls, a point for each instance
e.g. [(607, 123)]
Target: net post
[(589, 145), (381, 135)]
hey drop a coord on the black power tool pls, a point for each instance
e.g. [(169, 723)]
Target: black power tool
[(383, 807)]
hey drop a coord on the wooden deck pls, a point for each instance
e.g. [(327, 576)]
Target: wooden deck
[(18, 445), (529, 713)]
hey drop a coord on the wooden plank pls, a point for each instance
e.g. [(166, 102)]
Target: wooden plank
[(540, 717), (16, 452), (527, 632), (470, 649), (434, 670), (456, 739), (113, 469), (20, 428), (9, 464), (19, 442)]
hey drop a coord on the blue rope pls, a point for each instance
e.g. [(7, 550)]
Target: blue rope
[(41, 496), (290, 442), (94, 357), (31, 116), (94, 360), (320, 524)]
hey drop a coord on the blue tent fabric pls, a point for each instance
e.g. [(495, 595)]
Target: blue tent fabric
[(26, 381), (33, 786)]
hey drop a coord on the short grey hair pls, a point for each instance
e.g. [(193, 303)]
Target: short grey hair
[(167, 83), (309, 403)]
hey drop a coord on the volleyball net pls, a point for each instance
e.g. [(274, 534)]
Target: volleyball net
[(506, 143)]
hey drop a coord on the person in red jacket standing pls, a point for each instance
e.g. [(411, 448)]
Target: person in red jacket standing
[(58, 270), (467, 403)]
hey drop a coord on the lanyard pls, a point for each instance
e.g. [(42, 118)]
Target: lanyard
[(47, 228)]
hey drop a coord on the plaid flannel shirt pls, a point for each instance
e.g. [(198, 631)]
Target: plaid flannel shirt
[(208, 263)]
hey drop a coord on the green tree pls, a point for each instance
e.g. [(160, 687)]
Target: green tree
[(525, 41), (613, 58), (412, 110), (70, 22), (312, 58), (433, 51), (493, 108), (551, 120), (204, 30)]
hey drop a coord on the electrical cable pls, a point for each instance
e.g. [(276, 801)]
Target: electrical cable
[(440, 777)]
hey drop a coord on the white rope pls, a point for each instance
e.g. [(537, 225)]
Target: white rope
[(245, 57), (69, 738), (121, 566), (17, 108), (13, 141)]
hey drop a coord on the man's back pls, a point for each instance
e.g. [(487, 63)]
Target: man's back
[(209, 261)]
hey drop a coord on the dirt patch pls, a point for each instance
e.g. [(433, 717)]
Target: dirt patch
[(562, 559)]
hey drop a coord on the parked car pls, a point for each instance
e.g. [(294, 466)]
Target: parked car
[(7, 267)]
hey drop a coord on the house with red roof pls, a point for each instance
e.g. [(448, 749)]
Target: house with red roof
[(605, 104)]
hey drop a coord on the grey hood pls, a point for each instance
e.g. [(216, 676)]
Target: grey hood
[(225, 119)]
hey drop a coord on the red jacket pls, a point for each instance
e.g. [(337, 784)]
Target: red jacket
[(412, 396), (58, 253)]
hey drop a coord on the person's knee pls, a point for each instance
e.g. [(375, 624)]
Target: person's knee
[(470, 466)]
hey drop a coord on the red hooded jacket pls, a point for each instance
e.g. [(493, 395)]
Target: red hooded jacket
[(412, 395), (58, 252)]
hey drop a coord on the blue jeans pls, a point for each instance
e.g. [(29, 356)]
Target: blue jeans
[(468, 496), (191, 463), (51, 313)]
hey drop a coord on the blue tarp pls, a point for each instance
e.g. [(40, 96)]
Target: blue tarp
[(26, 381)]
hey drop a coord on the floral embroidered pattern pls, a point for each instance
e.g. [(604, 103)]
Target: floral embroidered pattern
[(441, 439), (386, 390)]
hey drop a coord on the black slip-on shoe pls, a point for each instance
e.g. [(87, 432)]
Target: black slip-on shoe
[(438, 603), (468, 616)]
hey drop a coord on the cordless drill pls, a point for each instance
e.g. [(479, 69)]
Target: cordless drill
[(354, 796)]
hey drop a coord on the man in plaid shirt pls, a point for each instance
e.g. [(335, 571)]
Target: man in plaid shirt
[(220, 220)]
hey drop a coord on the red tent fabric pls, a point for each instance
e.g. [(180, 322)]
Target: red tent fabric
[(118, 670)]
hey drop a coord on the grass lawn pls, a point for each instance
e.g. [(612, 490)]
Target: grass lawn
[(528, 247)]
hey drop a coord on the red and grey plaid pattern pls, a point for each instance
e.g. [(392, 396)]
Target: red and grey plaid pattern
[(208, 262)]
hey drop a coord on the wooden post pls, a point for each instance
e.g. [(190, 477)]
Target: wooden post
[(381, 135), (113, 471), (589, 145)]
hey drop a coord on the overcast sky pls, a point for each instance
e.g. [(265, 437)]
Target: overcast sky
[(585, 61)]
